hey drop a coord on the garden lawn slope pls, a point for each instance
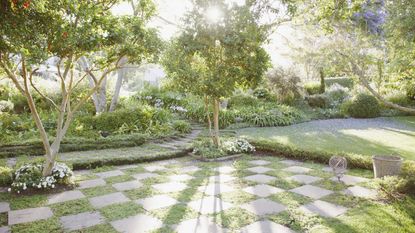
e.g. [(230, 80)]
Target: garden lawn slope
[(394, 135)]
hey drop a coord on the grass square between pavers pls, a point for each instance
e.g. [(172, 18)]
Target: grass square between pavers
[(120, 211), (24, 202), (283, 183), (135, 170), (71, 207), (296, 220), (155, 180), (82, 177), (4, 218), (50, 225), (345, 200), (330, 185), (163, 230), (174, 214), (118, 179), (237, 197), (98, 191), (101, 228), (143, 192), (234, 218), (189, 194), (103, 169), (290, 199)]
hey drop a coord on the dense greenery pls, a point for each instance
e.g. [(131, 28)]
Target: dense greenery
[(362, 106)]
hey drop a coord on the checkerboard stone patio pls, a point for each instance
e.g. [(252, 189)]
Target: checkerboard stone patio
[(206, 200), (350, 180), (290, 162)]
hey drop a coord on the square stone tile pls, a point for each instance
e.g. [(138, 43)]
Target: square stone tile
[(225, 169), (167, 162), (304, 179), (215, 189), (259, 162), (143, 176), (222, 178), (290, 162), (324, 209), (91, 183), (350, 180), (262, 190), (189, 169), (5, 230), (125, 167), (312, 191), (260, 178), (29, 215), (129, 185), (263, 206), (156, 202), (359, 191), (108, 199), (65, 196), (81, 221), (259, 169), (4, 207), (297, 169), (209, 205), (181, 177), (202, 224), (266, 226), (137, 224), (110, 174), (153, 168), (327, 169), (170, 187)]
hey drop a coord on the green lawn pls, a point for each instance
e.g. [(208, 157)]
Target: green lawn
[(367, 136)]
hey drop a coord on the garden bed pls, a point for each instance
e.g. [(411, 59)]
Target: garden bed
[(218, 159)]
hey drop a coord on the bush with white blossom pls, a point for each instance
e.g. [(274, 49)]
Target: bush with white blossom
[(237, 145), (206, 149), (29, 176)]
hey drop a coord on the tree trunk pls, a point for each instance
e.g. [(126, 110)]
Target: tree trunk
[(322, 82), (216, 108), (121, 74)]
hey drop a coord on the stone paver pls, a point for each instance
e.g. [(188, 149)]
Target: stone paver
[(262, 190), (81, 221), (5, 230), (108, 199), (304, 179), (180, 178), (260, 178), (297, 169), (129, 185), (259, 162), (137, 224), (222, 178), (290, 162), (225, 169), (201, 224), (259, 169), (91, 183), (125, 167), (143, 176), (170, 187), (359, 191), (215, 189), (209, 205), (324, 209), (154, 168), (312, 191), (4, 207), (156, 202), (350, 180), (266, 226), (263, 206), (327, 169), (65, 196), (29, 215), (189, 169), (110, 174)]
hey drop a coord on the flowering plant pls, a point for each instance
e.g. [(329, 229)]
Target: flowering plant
[(237, 145), (207, 149), (30, 176)]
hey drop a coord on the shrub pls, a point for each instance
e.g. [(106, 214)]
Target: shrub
[(362, 106), (312, 88), (242, 100), (285, 84), (5, 176), (261, 93), (182, 126), (410, 90), (206, 149), (399, 97), (342, 81), (237, 145), (6, 106), (336, 94), (318, 101), (29, 176)]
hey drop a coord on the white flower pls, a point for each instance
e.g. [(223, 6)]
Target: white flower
[(9, 189)]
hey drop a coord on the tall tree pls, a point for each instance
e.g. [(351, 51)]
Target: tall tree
[(218, 51)]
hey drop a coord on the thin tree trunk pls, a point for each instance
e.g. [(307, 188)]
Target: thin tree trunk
[(121, 74), (216, 108), (208, 116)]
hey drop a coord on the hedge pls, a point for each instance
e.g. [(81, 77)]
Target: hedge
[(353, 160), (343, 81)]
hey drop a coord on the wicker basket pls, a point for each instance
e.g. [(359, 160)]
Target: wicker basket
[(386, 165)]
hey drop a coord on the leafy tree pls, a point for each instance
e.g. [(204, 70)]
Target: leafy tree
[(214, 56), (34, 31)]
